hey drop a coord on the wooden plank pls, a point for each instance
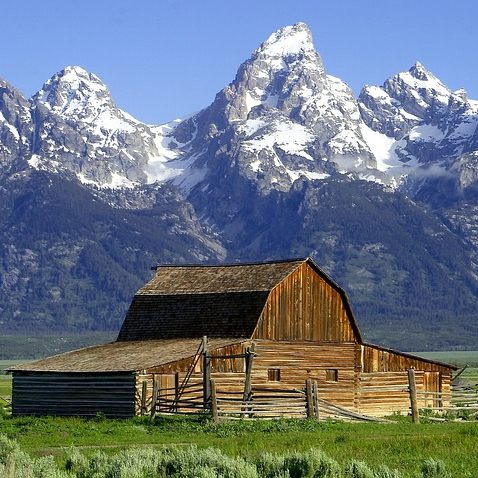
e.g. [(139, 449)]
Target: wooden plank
[(413, 395), (315, 398), (144, 395), (310, 404), (154, 397), (214, 410), (206, 373)]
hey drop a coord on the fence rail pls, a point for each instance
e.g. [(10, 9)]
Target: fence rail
[(275, 401)]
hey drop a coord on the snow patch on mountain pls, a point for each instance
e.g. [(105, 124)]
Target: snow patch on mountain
[(291, 137), (290, 40)]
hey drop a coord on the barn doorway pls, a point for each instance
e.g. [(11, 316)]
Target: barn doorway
[(432, 387)]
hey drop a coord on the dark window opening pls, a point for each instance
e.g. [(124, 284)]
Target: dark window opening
[(332, 375), (273, 375)]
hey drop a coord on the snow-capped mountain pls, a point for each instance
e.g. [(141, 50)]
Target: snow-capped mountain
[(16, 127), (432, 126), (282, 118), (284, 162)]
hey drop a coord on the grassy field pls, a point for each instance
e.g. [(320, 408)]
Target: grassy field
[(458, 357), (6, 380), (32, 347), (402, 445)]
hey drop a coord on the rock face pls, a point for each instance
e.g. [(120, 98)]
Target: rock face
[(16, 127), (382, 190), (282, 118), (431, 125), (80, 130)]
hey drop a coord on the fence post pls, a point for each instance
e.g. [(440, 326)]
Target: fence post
[(215, 415), (176, 391), (144, 392), (154, 397), (308, 394), (315, 398), (248, 378), (412, 388), (206, 375)]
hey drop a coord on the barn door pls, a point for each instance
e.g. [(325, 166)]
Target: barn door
[(431, 383), (167, 391)]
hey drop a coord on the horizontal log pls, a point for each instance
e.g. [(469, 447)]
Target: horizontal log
[(260, 413)]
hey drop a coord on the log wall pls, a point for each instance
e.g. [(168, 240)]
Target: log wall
[(370, 380), (372, 358), (79, 394), (382, 386), (304, 306), (297, 362)]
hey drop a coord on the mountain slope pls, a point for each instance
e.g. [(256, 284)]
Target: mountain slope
[(382, 190), (71, 262)]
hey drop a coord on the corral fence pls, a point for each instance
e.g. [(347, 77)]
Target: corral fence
[(269, 402), (260, 402), (265, 402), (434, 405), (202, 394)]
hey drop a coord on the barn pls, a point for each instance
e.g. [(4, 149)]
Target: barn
[(197, 331)]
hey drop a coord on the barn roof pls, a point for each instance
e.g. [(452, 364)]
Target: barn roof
[(221, 278), (121, 356), (213, 300)]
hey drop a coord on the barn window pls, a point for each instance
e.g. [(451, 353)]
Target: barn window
[(332, 375), (273, 375)]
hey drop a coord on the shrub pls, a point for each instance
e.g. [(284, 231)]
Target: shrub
[(357, 469), (311, 464), (434, 469), (271, 465), (385, 472), (15, 463)]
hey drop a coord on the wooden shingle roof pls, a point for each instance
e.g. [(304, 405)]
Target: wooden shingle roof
[(193, 301), (198, 279), (121, 356)]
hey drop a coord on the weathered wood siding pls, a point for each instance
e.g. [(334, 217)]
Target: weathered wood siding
[(305, 307), (383, 393), (78, 394), (297, 362), (383, 381), (370, 380), (377, 359)]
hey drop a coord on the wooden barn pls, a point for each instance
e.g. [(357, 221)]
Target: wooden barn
[(269, 326)]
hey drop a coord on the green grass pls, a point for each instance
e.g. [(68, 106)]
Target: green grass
[(459, 358), (6, 380), (39, 346), (400, 445)]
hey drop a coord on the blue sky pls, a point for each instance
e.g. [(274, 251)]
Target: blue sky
[(163, 59)]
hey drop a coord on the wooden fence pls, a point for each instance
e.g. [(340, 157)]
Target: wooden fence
[(265, 402), (272, 401), (259, 402)]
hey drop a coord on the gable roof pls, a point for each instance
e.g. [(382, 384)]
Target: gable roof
[(193, 301), (221, 278)]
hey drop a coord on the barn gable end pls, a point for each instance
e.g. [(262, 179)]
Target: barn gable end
[(307, 306)]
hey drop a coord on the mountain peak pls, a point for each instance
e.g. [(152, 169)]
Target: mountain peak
[(290, 40), (71, 87), (419, 72)]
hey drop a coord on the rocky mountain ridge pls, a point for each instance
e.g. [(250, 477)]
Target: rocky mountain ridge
[(381, 189)]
